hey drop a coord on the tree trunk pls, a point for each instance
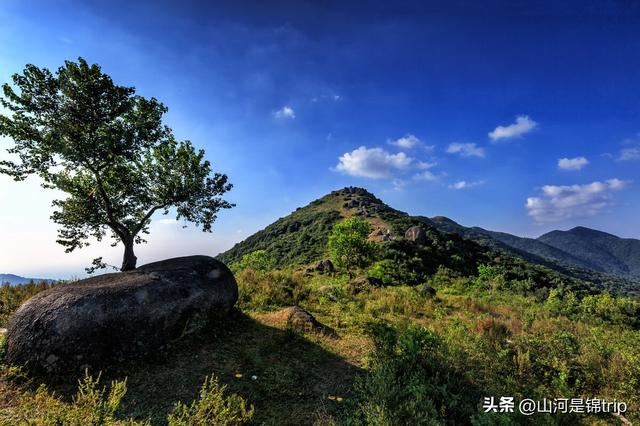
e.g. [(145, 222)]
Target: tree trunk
[(129, 259)]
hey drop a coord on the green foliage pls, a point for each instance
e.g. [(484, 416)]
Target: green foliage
[(3, 348), (491, 277), (391, 272), (411, 381), (299, 238), (92, 406), (108, 151), (212, 408), (613, 310), (12, 296), (258, 260), (348, 243), (270, 289)]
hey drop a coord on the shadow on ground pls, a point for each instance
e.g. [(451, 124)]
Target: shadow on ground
[(294, 377)]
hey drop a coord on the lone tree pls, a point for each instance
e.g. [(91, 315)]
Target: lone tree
[(348, 243), (108, 150)]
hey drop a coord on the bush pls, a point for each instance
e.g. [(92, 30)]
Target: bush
[(94, 406), (491, 277), (258, 260), (614, 310), (390, 272), (212, 408), (412, 382), (90, 406), (348, 243)]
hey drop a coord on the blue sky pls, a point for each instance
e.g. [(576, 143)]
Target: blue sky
[(515, 116)]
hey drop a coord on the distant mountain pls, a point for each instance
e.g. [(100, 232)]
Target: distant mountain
[(589, 255), (16, 279), (598, 250)]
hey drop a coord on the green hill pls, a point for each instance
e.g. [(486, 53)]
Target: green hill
[(301, 239)]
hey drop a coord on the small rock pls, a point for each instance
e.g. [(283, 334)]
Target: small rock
[(325, 266), (298, 318), (428, 291), (360, 284)]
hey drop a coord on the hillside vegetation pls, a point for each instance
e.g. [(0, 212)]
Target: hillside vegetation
[(603, 260), (410, 332)]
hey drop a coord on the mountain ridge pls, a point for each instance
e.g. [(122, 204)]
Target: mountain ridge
[(13, 279), (301, 237)]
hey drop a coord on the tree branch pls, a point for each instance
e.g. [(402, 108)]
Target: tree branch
[(118, 228), (146, 217)]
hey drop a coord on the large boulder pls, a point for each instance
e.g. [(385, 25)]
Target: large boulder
[(417, 235), (105, 319)]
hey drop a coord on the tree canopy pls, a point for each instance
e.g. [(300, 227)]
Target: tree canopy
[(109, 151), (348, 243)]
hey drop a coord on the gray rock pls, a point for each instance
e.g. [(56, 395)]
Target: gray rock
[(360, 284), (417, 235), (102, 320), (428, 291), (325, 266), (350, 204), (298, 318)]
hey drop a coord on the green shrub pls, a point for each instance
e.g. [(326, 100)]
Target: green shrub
[(412, 382), (258, 260), (491, 277), (348, 243), (94, 406), (212, 408), (390, 272), (614, 310), (91, 406)]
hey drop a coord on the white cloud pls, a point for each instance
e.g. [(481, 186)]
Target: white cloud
[(399, 184), (572, 163), (627, 154), (373, 163), (424, 165), (408, 141), (426, 175), (463, 184), (569, 201), (466, 149), (166, 221), (522, 125), (285, 112)]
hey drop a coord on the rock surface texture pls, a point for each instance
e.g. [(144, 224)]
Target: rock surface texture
[(416, 234), (105, 319)]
